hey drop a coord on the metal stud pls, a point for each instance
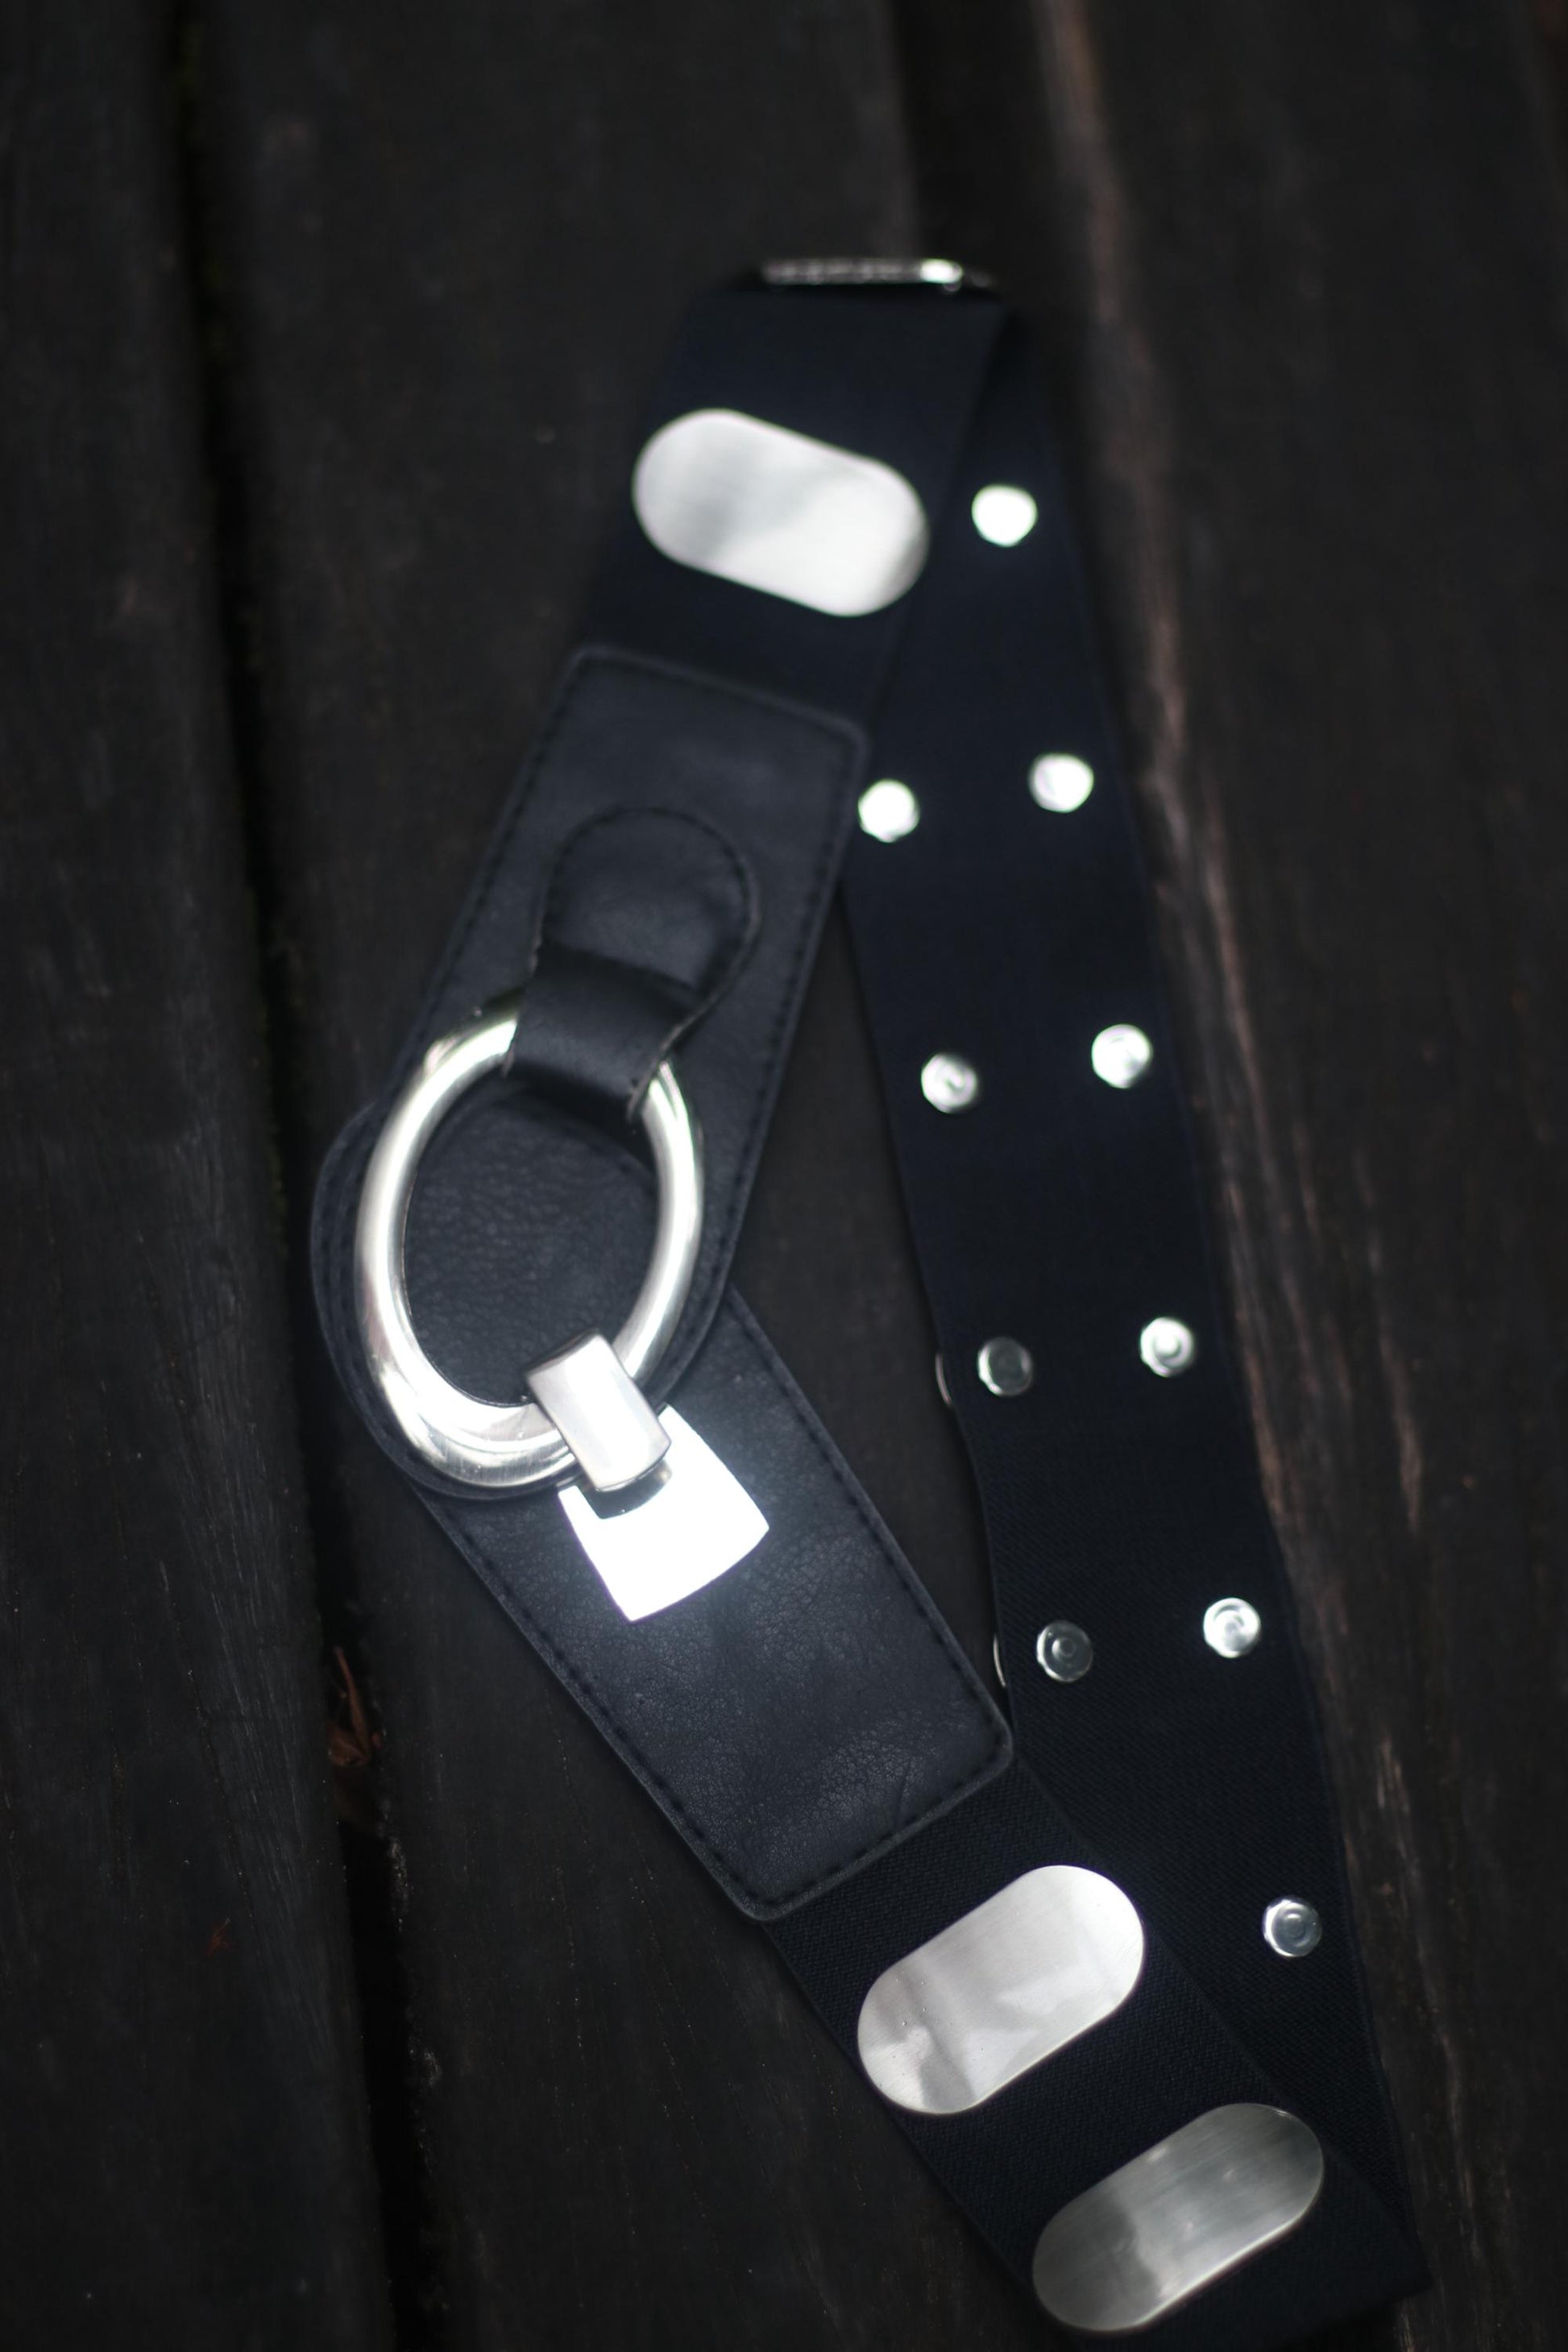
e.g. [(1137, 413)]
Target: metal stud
[(1292, 1929), (950, 1083), (1231, 1628), (1060, 781), (1005, 1366), (1064, 1650), (1167, 1347), (996, 1659), (942, 1388), (889, 810), (1003, 514), (1119, 1054)]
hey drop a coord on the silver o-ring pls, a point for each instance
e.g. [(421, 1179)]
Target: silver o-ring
[(508, 1446)]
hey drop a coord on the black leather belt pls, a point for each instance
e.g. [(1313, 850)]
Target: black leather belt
[(1095, 1950)]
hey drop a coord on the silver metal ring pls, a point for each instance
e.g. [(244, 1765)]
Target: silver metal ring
[(508, 1446)]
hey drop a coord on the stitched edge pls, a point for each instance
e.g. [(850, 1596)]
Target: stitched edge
[(746, 886), (751, 908), (759, 1904), (718, 1247), (807, 930), (706, 1298), (717, 1252)]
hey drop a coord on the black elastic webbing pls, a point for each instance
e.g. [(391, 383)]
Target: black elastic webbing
[(1064, 1214)]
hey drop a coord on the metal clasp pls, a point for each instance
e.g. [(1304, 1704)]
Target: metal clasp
[(862, 270), (506, 1445)]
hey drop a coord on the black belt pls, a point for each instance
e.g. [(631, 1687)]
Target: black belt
[(1097, 1952)]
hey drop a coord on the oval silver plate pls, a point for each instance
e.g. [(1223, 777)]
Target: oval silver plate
[(1179, 2217), (1005, 1987), (769, 508)]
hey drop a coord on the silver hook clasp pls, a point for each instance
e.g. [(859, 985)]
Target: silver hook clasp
[(508, 1446)]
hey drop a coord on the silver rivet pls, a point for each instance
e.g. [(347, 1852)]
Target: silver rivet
[(1064, 1650), (1167, 1347), (1231, 1628), (1060, 781), (1291, 1928), (1120, 1055), (942, 1388), (889, 810), (996, 1659), (1005, 1366), (950, 1083), (1003, 514)]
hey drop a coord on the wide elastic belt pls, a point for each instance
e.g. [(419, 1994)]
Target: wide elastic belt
[(1095, 1950)]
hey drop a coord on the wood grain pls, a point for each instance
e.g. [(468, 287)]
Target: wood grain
[(453, 261), (184, 2159), (1299, 279), (1302, 277)]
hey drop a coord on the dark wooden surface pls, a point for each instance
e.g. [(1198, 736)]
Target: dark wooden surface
[(183, 2152), (633, 2133), (1306, 287), (1299, 279)]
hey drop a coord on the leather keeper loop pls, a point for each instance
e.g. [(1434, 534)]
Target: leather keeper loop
[(648, 918)]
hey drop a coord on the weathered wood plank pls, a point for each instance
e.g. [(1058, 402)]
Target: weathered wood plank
[(1303, 276), (1297, 275), (183, 2161), (455, 261)]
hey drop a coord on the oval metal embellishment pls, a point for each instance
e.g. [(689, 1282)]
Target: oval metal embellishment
[(773, 510), (1182, 2215), (1005, 1987)]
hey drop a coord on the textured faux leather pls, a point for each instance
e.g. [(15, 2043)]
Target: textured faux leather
[(797, 1716), (808, 1710), (767, 791)]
